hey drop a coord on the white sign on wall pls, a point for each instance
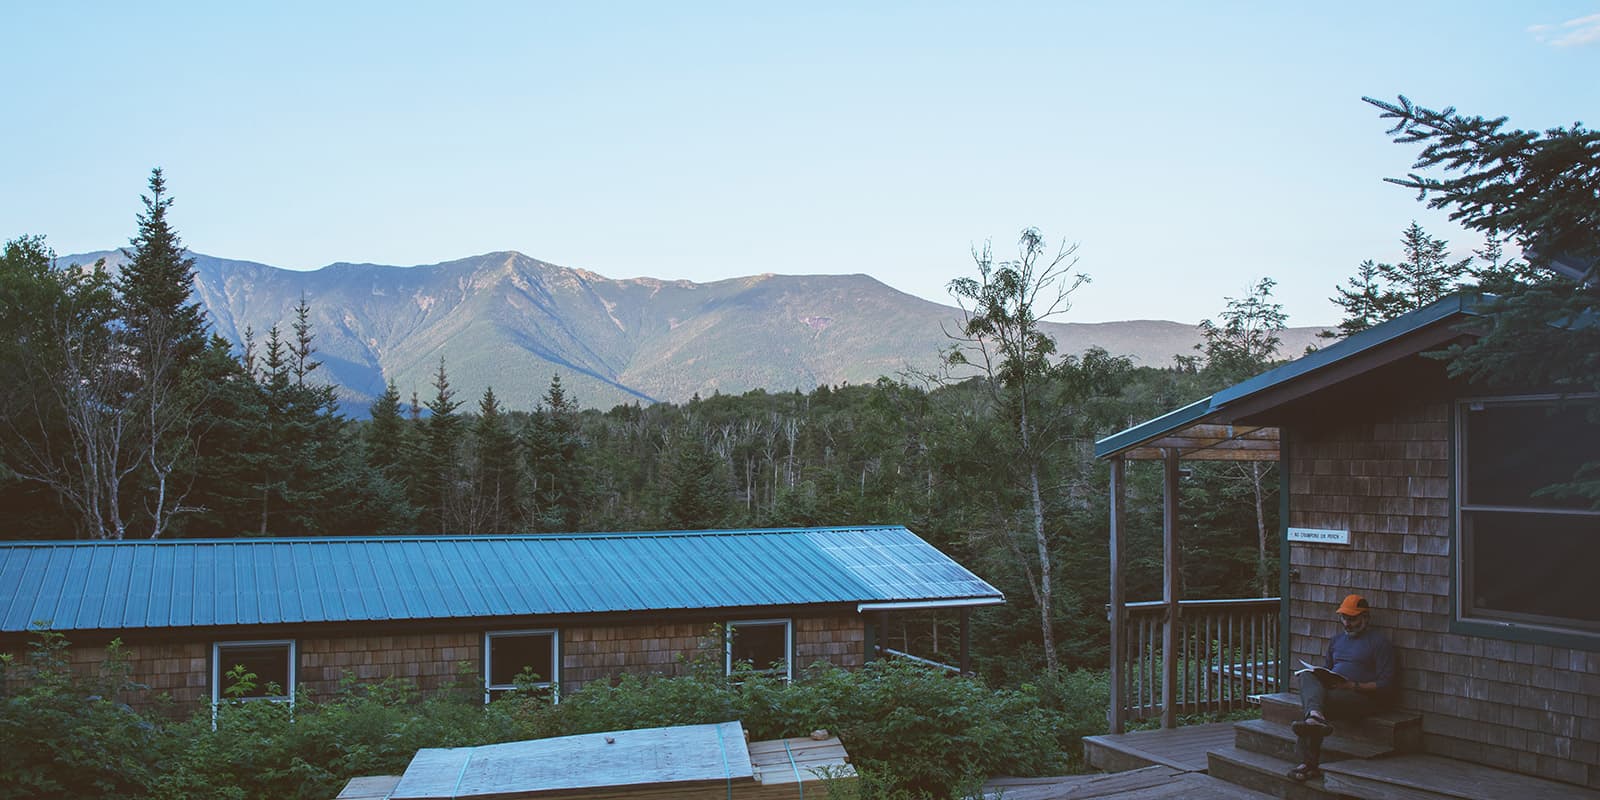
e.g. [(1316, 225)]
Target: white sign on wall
[(1319, 536)]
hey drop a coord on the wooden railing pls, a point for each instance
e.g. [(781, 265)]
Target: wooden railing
[(1226, 651)]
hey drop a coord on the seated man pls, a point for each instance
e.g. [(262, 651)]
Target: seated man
[(1364, 683)]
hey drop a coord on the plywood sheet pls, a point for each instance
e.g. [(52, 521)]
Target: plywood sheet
[(683, 758)]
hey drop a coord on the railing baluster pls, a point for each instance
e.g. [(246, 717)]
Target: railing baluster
[(1227, 651)]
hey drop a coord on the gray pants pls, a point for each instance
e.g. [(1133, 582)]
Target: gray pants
[(1334, 704)]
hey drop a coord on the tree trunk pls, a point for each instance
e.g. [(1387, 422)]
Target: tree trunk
[(1261, 530), (1046, 604)]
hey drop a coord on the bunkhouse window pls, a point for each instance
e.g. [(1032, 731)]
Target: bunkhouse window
[(261, 670), (1528, 547), (526, 660), (763, 644)]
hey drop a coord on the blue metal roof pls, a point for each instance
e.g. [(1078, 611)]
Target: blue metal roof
[(1383, 333), (219, 582)]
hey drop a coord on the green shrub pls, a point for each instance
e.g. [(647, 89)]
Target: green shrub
[(912, 732), (63, 735)]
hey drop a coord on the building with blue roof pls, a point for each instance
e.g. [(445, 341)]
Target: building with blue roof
[(563, 609), (1424, 492)]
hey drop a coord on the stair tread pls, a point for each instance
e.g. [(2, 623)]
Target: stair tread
[(1393, 716), (1428, 775), (1270, 774), (1336, 744)]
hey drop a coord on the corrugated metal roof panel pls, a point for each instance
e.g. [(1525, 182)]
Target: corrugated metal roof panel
[(226, 582)]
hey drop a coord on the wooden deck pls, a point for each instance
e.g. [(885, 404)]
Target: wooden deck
[(1424, 777), (1149, 783), (1182, 748)]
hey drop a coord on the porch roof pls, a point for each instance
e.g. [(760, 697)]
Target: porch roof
[(1226, 426)]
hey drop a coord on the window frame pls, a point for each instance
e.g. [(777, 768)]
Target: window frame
[(217, 671), (1509, 625), (787, 673), (552, 682)]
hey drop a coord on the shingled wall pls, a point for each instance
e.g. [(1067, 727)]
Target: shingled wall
[(1386, 478), (433, 660), (592, 653)]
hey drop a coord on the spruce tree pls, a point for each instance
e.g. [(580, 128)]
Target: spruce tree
[(557, 469), (497, 474), (434, 489), (696, 493), (1381, 292), (157, 283), (385, 435)]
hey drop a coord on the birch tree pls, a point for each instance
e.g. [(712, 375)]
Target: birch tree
[(1000, 335)]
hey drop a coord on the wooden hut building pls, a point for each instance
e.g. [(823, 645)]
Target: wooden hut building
[(1425, 493), (564, 608)]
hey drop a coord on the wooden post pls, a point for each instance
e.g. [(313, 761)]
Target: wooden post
[(1169, 589), (869, 643), (883, 630), (966, 641), (1116, 614)]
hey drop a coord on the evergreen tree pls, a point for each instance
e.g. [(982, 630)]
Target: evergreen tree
[(1540, 189), (157, 282), (557, 470), (235, 452), (385, 435), (434, 488), (695, 491), (306, 484), (496, 472), (1381, 292)]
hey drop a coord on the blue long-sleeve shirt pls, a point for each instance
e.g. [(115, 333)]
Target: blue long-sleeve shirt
[(1368, 657)]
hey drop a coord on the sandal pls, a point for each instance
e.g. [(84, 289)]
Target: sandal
[(1311, 726), (1303, 773)]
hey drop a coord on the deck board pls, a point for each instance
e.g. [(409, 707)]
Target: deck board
[(1423, 777), (1149, 783), (1182, 748)]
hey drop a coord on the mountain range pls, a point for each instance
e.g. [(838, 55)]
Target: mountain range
[(510, 321)]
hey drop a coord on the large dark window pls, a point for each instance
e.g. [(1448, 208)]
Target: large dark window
[(763, 644), (530, 655), (1529, 549), (252, 671)]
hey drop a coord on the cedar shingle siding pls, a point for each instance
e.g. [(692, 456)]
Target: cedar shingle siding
[(432, 661), (1384, 473)]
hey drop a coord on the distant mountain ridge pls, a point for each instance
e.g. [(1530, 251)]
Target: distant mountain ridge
[(509, 321)]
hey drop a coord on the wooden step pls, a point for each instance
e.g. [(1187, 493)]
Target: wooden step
[(1264, 774), (1397, 729), (1423, 777), (1277, 740)]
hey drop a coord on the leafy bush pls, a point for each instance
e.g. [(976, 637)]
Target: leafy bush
[(911, 731), (63, 735)]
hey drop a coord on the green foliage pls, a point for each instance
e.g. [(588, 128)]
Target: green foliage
[(1381, 292), (66, 735), (911, 731), (1248, 338), (1538, 188)]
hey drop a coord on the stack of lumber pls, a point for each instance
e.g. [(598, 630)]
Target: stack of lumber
[(648, 764)]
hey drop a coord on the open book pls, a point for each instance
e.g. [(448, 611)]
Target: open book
[(1323, 673)]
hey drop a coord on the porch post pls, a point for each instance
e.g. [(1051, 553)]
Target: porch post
[(869, 639), (1169, 589), (966, 641), (1119, 702)]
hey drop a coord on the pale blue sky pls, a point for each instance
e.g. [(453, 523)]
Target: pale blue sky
[(1190, 148)]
